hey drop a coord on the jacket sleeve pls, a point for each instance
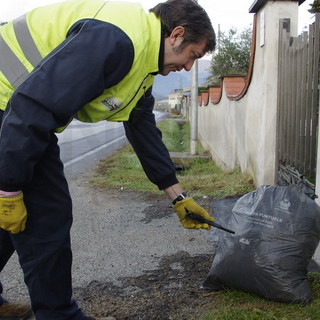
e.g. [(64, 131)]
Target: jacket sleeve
[(95, 56), (146, 140)]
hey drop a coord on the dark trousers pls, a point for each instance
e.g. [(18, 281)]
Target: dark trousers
[(44, 248)]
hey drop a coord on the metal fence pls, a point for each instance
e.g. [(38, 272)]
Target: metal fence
[(298, 100)]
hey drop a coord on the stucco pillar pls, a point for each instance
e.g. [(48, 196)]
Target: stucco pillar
[(265, 81)]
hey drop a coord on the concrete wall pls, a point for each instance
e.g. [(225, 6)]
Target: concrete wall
[(242, 133)]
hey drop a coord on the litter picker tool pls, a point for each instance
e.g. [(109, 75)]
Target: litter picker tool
[(194, 216)]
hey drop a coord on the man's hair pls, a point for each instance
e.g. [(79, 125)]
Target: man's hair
[(191, 16)]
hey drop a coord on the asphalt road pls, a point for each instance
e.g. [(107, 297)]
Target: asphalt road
[(82, 145)]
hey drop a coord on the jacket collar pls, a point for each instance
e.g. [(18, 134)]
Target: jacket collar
[(156, 46)]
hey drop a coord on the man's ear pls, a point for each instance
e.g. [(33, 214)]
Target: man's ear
[(177, 34)]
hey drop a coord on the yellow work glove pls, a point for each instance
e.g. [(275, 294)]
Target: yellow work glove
[(13, 213), (188, 205)]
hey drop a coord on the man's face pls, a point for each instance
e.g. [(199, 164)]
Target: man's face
[(178, 57)]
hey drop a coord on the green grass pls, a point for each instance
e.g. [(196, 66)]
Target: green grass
[(176, 136), (238, 305), (203, 178)]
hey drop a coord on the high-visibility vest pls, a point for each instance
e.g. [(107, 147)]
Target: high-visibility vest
[(25, 41)]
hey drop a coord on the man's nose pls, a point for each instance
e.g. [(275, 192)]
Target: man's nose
[(188, 65)]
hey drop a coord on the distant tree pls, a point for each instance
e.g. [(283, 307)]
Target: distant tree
[(315, 7), (2, 23), (233, 54)]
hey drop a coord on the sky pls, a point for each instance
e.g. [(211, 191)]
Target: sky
[(223, 13)]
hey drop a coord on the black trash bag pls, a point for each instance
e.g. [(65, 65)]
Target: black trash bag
[(222, 211), (277, 230)]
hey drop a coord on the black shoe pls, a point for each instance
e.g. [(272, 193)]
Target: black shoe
[(15, 310)]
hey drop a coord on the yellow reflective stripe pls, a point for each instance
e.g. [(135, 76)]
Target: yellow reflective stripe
[(26, 41), (11, 67)]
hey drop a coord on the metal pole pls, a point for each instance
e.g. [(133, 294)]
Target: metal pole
[(219, 37), (194, 110)]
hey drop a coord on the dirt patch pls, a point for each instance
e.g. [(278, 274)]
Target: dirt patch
[(173, 291)]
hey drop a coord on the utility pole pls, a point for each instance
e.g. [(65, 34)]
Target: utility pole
[(194, 110), (219, 37)]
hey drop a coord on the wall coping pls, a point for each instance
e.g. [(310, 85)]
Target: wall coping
[(258, 4), (239, 89)]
